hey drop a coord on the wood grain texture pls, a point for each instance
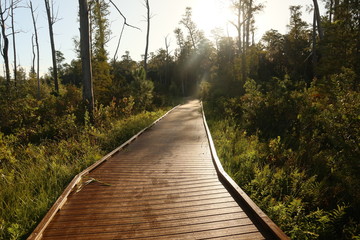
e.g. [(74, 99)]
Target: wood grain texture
[(161, 186)]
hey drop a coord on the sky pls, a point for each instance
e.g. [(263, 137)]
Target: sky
[(166, 14)]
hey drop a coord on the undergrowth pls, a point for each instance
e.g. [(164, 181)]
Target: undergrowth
[(33, 175), (288, 195), (295, 150)]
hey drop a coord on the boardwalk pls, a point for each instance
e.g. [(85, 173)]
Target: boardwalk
[(162, 186)]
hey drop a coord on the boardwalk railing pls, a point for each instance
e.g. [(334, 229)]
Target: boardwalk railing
[(271, 230)]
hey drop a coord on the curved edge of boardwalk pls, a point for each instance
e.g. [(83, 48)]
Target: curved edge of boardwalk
[(168, 184), (271, 230), (38, 231)]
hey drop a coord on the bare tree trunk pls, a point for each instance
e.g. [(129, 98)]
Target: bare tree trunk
[(122, 30), (244, 43), (147, 35), (5, 50), (37, 50), (249, 18), (33, 53), (14, 40), (336, 9), (88, 93), (241, 35), (51, 22), (118, 44), (90, 11), (314, 56), (167, 46), (238, 27), (331, 10), (189, 25), (318, 19)]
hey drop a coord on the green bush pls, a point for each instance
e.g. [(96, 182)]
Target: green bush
[(46, 143), (123, 129), (295, 150)]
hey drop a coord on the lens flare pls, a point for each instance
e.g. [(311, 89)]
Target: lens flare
[(214, 14)]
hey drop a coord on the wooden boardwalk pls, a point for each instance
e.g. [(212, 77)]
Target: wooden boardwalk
[(161, 186)]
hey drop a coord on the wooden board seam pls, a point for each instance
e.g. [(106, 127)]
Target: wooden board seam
[(38, 231)]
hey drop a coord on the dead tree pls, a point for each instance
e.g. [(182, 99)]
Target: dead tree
[(4, 14), (122, 29), (248, 22), (245, 10), (167, 46), (37, 50), (189, 24), (147, 34), (316, 28), (12, 7), (238, 25), (88, 92), (51, 21), (32, 71), (314, 55), (318, 19)]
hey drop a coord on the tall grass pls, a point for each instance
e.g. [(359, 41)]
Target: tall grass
[(32, 176), (290, 196)]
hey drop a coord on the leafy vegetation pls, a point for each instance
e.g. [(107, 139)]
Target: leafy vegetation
[(295, 154), (289, 136), (46, 144)]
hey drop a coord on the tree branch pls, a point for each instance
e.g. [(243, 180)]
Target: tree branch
[(118, 45), (122, 29), (125, 21)]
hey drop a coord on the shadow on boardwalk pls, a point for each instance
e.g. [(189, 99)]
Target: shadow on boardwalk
[(162, 186)]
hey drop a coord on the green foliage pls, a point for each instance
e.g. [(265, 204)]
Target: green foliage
[(141, 90), (204, 90), (101, 69), (123, 129), (31, 184), (44, 143), (341, 43), (295, 151), (161, 71)]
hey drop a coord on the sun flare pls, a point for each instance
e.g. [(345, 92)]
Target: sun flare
[(214, 14)]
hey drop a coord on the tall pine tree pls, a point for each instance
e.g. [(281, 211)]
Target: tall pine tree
[(100, 36)]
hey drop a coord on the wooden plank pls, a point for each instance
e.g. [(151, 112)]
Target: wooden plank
[(145, 209), (97, 185), (126, 181), (37, 233), (172, 198), (193, 230), (142, 225), (182, 216), (123, 213), (105, 193), (121, 207), (161, 186), (92, 201)]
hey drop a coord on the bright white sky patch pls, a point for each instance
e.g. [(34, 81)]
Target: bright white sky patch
[(211, 14)]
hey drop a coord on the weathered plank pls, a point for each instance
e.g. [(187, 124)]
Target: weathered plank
[(164, 185)]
